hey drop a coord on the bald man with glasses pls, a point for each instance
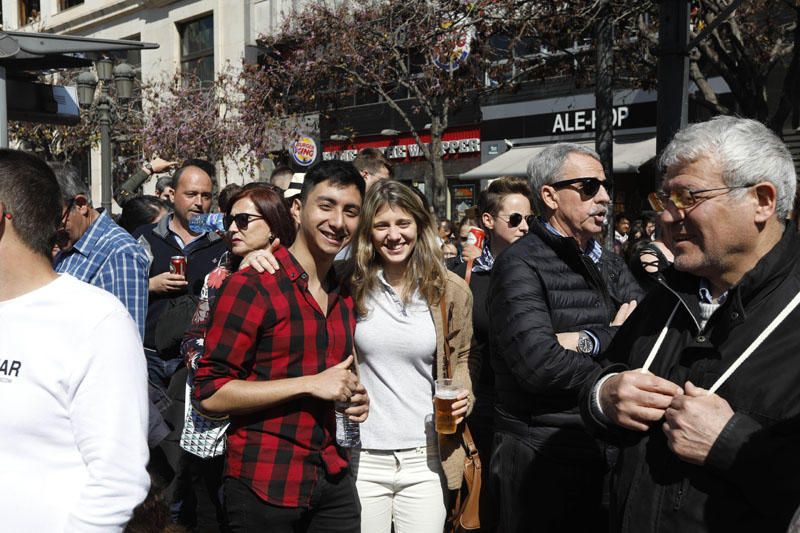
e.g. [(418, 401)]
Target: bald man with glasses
[(555, 301)]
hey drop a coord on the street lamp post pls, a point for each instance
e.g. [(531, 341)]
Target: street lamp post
[(122, 75)]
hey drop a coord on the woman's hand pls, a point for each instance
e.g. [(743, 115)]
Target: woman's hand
[(359, 405), (460, 406)]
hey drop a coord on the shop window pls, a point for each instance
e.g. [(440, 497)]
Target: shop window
[(29, 11), (197, 48), (66, 4)]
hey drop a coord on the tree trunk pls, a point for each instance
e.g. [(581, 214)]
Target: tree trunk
[(438, 194)]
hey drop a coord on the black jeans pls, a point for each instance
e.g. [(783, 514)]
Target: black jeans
[(545, 490), (334, 508)]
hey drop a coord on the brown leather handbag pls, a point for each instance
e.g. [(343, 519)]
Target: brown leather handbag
[(463, 514)]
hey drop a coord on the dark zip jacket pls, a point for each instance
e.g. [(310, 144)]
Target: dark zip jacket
[(751, 478)]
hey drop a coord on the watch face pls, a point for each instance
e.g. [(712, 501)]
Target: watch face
[(585, 344)]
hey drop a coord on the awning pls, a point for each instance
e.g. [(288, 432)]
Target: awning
[(628, 157)]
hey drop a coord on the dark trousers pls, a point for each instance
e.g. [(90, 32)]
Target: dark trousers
[(334, 508), (543, 490)]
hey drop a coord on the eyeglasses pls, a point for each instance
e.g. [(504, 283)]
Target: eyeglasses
[(242, 220), (514, 219), (685, 198), (589, 186), (62, 235)]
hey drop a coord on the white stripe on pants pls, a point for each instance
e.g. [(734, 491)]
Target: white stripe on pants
[(404, 485)]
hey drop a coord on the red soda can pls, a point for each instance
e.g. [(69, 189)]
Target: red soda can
[(475, 237), (177, 265)]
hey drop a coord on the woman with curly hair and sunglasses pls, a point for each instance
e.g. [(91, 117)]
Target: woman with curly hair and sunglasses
[(255, 216), (403, 468)]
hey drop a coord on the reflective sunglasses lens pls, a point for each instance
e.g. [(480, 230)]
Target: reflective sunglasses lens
[(655, 201), (514, 220)]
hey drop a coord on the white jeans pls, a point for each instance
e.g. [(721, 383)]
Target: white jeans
[(406, 486)]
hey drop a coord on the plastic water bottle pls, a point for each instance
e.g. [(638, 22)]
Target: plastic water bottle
[(348, 435), (206, 222)]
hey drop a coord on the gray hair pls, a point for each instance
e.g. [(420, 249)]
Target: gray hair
[(70, 181), (747, 151), (547, 166)]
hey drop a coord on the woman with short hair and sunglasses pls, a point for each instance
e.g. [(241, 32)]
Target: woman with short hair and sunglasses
[(255, 217), (504, 208)]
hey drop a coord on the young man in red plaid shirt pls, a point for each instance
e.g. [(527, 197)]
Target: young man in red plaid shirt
[(278, 354)]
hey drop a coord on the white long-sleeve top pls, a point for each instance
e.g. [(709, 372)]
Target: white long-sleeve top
[(73, 424)]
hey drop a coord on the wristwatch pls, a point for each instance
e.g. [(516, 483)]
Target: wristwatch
[(148, 167), (585, 343)]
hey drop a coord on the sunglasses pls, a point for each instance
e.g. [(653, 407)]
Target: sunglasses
[(514, 219), (685, 198), (588, 186), (242, 220)]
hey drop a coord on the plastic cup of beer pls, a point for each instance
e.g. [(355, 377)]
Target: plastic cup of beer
[(445, 397)]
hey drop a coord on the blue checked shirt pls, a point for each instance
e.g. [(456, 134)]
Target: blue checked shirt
[(106, 256)]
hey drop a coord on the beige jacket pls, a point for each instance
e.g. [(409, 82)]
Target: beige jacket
[(458, 300)]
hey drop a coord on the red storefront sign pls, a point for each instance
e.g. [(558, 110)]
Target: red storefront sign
[(456, 143)]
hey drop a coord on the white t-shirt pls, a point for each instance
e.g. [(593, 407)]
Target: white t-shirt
[(396, 344), (73, 429)]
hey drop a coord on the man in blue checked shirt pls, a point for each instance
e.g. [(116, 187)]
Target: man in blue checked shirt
[(95, 250)]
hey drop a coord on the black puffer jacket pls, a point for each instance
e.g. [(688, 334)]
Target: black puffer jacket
[(540, 286), (751, 478)]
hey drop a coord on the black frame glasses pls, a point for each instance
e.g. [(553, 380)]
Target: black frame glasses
[(514, 219), (62, 235), (589, 186), (683, 198), (242, 220)]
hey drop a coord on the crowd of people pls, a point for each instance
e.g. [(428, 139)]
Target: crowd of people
[(289, 371)]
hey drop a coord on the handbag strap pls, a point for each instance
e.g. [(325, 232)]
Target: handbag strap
[(739, 360), (446, 333)]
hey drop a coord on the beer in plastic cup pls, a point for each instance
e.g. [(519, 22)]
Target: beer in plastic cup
[(445, 397)]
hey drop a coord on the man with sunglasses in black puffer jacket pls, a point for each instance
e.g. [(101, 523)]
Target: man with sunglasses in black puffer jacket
[(555, 300)]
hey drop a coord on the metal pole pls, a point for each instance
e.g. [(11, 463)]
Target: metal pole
[(604, 104), (3, 110), (105, 152), (673, 71)]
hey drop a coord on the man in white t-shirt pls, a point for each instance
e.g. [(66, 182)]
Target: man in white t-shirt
[(73, 383)]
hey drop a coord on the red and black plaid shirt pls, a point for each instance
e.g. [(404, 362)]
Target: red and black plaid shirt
[(267, 327)]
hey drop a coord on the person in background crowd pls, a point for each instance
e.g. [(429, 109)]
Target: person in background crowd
[(445, 231), (281, 177), (650, 227), (398, 280), (707, 445), (141, 211), (130, 188), (622, 228), (173, 299), (164, 190), (73, 383), (504, 208), (449, 252), (373, 166), (467, 251), (554, 301), (255, 216), (225, 195), (277, 355)]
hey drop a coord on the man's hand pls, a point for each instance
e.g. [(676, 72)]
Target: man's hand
[(623, 313), (470, 251), (359, 405), (160, 165), (166, 283), (634, 399), (569, 340), (693, 423), (460, 406), (262, 260), (336, 383)]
